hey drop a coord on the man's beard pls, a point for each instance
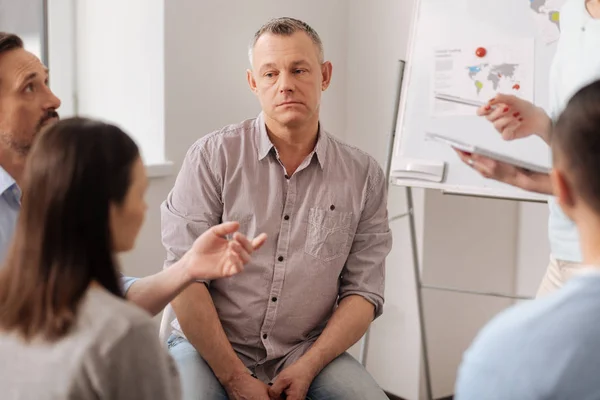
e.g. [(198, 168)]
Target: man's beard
[(18, 147), (22, 148)]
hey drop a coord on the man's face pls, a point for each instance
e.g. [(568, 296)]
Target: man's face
[(26, 102), (288, 78)]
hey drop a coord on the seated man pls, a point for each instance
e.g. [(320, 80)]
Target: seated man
[(26, 106), (318, 282), (550, 348)]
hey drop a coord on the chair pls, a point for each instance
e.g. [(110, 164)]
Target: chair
[(168, 316)]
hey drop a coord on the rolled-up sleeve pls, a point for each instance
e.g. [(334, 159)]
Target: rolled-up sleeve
[(193, 205), (126, 282), (364, 272)]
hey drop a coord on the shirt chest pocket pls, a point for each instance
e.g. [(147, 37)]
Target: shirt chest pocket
[(328, 233)]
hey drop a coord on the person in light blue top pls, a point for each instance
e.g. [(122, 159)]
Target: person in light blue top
[(550, 348), (576, 64), (27, 106)]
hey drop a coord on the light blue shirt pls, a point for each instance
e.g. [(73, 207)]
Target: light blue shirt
[(547, 349), (10, 203), (576, 63)]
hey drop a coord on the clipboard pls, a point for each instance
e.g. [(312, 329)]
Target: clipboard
[(473, 149)]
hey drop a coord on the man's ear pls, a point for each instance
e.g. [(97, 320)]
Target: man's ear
[(326, 70), (251, 80), (563, 191)]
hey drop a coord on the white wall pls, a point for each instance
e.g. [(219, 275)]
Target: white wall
[(24, 18), (61, 54), (119, 59), (469, 244), (533, 248)]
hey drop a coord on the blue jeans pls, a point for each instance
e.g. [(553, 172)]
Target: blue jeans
[(343, 379)]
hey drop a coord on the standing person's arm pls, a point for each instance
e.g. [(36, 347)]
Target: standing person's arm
[(193, 206), (513, 118), (507, 173)]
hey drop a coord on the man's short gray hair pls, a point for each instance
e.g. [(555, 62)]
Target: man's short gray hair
[(286, 26)]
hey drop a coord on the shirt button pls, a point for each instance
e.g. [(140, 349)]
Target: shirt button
[(287, 177), (286, 217), (332, 207), (265, 336), (280, 258), (273, 299)]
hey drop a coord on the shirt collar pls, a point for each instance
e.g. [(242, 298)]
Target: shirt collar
[(265, 145), (6, 181)]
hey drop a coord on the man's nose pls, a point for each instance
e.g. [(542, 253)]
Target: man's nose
[(52, 102), (286, 82)]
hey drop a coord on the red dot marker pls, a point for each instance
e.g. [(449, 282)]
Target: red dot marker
[(480, 52), (516, 86)]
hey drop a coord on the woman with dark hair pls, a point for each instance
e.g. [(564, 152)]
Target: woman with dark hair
[(66, 331)]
